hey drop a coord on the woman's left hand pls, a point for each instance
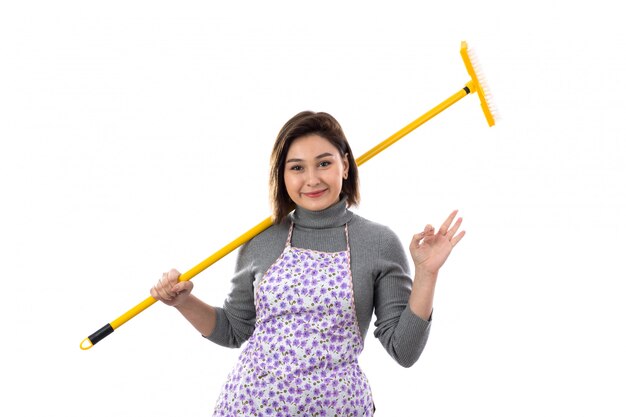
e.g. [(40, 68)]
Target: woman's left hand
[(430, 250)]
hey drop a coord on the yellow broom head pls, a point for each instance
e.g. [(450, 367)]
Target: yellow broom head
[(478, 83)]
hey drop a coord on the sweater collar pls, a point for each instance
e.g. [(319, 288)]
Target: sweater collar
[(334, 216)]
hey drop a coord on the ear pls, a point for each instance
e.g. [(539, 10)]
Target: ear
[(346, 166)]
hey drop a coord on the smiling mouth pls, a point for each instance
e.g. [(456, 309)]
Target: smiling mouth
[(314, 194)]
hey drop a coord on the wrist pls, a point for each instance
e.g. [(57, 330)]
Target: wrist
[(425, 275), (185, 303)]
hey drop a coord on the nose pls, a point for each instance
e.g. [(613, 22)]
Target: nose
[(312, 178)]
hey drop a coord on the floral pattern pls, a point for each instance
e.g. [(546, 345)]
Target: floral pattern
[(302, 359)]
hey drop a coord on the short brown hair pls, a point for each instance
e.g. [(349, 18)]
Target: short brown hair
[(303, 124)]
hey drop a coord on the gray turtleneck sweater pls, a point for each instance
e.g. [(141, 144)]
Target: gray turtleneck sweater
[(380, 274)]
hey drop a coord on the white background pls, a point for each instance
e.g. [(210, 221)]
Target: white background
[(135, 137)]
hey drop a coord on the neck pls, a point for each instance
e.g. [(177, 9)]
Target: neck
[(333, 216)]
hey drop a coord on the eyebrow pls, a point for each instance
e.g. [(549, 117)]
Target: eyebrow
[(324, 155)]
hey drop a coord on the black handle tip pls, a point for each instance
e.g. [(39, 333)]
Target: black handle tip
[(97, 336)]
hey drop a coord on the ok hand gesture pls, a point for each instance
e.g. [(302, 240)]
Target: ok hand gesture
[(430, 250)]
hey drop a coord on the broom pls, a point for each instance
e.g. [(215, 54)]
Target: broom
[(475, 85)]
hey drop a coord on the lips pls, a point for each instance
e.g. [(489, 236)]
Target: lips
[(314, 194)]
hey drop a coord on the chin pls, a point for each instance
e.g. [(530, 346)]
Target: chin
[(317, 205)]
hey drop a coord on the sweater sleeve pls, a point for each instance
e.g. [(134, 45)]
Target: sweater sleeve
[(235, 321), (401, 332)]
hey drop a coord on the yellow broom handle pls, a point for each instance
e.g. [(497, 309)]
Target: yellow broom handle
[(196, 269), (108, 329), (413, 125)]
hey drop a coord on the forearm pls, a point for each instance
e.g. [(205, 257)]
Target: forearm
[(423, 293), (201, 315)]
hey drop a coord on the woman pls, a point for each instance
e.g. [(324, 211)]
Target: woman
[(305, 289)]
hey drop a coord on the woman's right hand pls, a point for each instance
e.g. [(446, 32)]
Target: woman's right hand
[(170, 291)]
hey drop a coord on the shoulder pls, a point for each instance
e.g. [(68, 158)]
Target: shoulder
[(272, 233), (376, 245), (273, 237), (374, 239), (372, 230)]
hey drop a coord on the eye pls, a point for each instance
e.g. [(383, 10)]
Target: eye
[(295, 168), (325, 163)]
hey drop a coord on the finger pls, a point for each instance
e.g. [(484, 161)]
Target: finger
[(456, 226), (172, 277), (171, 280), (417, 239), (163, 287), (158, 292), (154, 294), (183, 287), (457, 238), (444, 227)]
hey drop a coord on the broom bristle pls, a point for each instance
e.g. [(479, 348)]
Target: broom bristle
[(479, 83)]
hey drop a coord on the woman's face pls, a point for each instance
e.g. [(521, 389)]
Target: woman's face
[(314, 172)]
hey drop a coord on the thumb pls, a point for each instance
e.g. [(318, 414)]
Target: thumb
[(183, 286)]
